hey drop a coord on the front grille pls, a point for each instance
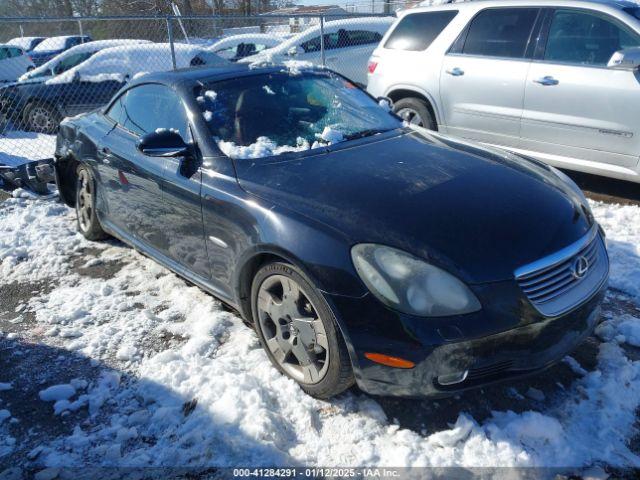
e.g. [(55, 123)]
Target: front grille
[(561, 281)]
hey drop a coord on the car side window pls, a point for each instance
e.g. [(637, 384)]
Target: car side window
[(417, 31), (71, 61), (146, 108), (14, 52), (362, 37), (4, 53), (331, 42), (585, 39), (500, 32)]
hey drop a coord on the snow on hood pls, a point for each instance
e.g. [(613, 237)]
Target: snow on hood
[(47, 67), (124, 62)]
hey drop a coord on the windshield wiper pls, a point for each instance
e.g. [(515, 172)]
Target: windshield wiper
[(366, 133)]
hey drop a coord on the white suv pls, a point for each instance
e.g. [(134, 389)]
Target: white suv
[(555, 80)]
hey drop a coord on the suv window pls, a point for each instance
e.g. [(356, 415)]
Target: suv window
[(585, 39), (417, 31), (146, 108), (500, 32), (341, 39)]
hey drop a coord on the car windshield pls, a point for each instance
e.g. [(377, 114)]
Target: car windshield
[(51, 43), (269, 114)]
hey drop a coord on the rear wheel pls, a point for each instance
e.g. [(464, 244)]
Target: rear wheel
[(88, 223), (41, 118), (298, 331), (416, 112)]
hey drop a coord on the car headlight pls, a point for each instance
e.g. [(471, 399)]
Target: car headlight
[(410, 285)]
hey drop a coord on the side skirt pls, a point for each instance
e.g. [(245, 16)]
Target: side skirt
[(167, 262)]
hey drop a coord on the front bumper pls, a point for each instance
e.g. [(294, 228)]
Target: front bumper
[(509, 338)]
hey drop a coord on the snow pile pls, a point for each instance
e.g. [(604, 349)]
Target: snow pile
[(210, 397), (52, 43), (296, 67), (57, 392), (265, 147), (262, 147), (18, 148), (623, 231)]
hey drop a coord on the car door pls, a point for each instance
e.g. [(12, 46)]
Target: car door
[(131, 181), (11, 63), (574, 106), (181, 185), (351, 53), (482, 77)]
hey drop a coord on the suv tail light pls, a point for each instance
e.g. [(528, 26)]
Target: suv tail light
[(372, 66)]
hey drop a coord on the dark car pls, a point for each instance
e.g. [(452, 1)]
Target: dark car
[(38, 105), (52, 46), (359, 249)]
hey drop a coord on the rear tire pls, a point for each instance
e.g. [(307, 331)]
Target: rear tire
[(298, 331), (87, 217), (416, 112)]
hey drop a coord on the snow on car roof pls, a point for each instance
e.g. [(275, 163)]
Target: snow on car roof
[(120, 63), (22, 42), (263, 38), (53, 43), (376, 24), (82, 48)]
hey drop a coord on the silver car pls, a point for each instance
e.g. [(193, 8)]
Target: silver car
[(555, 80)]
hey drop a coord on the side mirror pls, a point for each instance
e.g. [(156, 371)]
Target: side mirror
[(163, 143), (297, 50), (76, 77), (626, 59), (386, 103)]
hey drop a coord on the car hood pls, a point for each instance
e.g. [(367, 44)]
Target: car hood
[(479, 213)]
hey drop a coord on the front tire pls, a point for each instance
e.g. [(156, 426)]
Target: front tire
[(87, 217), (41, 118), (298, 331), (416, 112)]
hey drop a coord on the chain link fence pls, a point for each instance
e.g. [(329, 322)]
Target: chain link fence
[(54, 68)]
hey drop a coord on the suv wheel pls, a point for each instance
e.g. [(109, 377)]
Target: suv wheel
[(298, 331), (416, 112), (88, 223)]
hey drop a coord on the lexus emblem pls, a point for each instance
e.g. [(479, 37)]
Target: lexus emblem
[(580, 267)]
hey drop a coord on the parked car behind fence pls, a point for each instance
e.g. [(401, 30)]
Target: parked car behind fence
[(13, 63), (40, 105), (554, 80), (52, 46)]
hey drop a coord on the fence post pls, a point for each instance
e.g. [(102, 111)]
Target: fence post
[(170, 35), (81, 31), (322, 40)]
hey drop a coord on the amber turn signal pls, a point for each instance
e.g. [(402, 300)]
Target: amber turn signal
[(389, 361)]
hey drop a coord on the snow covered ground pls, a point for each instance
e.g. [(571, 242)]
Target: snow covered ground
[(154, 372), (18, 148)]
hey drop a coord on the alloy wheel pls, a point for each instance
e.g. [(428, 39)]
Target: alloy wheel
[(292, 329), (410, 116), (41, 120), (84, 200)]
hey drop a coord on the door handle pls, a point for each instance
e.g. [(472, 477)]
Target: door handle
[(546, 81), (456, 72)]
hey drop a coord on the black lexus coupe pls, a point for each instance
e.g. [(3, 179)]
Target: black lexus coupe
[(360, 249)]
